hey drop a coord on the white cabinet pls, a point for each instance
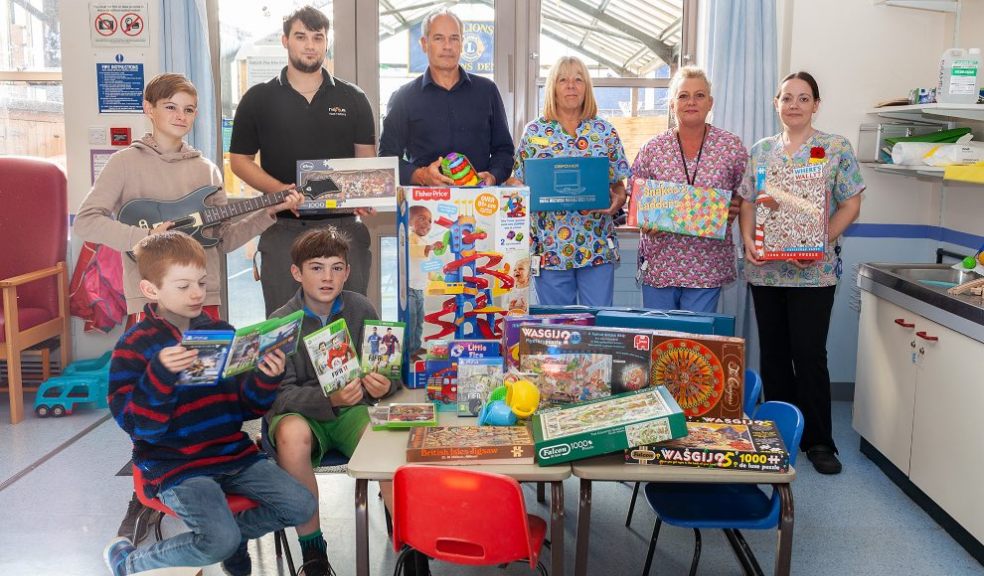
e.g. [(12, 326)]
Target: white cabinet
[(946, 435), (918, 395), (885, 382)]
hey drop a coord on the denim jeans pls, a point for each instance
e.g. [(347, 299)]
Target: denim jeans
[(215, 533)]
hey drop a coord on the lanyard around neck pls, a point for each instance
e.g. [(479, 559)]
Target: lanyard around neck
[(683, 157)]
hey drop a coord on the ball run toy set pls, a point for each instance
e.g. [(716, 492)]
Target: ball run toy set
[(459, 249)]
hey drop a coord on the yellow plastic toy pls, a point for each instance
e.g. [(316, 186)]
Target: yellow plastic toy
[(523, 397)]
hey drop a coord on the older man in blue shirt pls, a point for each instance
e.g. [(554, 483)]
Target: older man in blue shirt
[(446, 110)]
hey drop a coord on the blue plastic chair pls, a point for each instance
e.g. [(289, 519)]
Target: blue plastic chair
[(730, 507), (753, 392)]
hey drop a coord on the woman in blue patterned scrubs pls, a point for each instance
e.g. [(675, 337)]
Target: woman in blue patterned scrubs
[(574, 253)]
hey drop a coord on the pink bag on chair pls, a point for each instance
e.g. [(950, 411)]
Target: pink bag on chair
[(96, 291)]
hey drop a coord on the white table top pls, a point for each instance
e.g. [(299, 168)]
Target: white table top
[(381, 452), (612, 467)]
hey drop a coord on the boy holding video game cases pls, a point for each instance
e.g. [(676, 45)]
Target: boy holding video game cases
[(303, 424), (187, 439)]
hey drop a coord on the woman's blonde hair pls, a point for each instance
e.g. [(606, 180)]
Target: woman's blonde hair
[(589, 109), (686, 73)]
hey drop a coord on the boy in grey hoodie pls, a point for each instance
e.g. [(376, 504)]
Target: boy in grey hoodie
[(162, 166)]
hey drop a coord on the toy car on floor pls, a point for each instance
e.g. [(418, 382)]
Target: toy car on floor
[(80, 382)]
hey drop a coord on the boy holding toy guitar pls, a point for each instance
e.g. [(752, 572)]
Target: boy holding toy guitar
[(162, 167)]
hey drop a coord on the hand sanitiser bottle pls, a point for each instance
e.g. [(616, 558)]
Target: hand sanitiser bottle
[(959, 76)]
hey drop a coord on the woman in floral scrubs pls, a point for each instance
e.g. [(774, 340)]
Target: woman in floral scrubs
[(574, 253), (687, 272), (793, 298)]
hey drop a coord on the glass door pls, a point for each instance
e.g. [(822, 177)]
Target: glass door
[(250, 53)]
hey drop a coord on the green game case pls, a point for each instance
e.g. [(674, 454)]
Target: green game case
[(382, 348)]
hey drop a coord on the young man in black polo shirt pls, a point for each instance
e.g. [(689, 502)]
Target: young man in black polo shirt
[(303, 114)]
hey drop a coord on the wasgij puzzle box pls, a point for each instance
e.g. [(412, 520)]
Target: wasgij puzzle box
[(791, 211), (737, 444), (465, 445), (344, 183), (576, 363), (511, 324), (463, 262), (604, 425), (705, 374)]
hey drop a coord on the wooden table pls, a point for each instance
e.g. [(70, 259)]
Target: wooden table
[(381, 452), (612, 468)]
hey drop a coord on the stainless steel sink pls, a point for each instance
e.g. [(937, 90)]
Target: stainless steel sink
[(922, 288), (934, 276)]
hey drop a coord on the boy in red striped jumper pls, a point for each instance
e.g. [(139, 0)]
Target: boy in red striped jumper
[(187, 439)]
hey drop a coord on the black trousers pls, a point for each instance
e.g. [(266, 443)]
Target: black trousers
[(792, 326)]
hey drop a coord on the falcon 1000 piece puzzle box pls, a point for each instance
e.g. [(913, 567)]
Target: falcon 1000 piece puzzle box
[(596, 427)]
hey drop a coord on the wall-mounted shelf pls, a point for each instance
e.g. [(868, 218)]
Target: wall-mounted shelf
[(911, 171), (932, 112), (932, 5)]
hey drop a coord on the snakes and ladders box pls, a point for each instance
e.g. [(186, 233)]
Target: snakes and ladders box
[(511, 324), (604, 425), (724, 324), (704, 373), (463, 263), (792, 210), (577, 363), (679, 208), (345, 183), (734, 444)]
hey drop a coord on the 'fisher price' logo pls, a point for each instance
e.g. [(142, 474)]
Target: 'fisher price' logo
[(431, 194)]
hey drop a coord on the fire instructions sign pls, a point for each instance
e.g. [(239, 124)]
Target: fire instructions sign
[(121, 23), (120, 87)]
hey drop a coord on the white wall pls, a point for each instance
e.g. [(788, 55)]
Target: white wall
[(79, 60), (880, 53)]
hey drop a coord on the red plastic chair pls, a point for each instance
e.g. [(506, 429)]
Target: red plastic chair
[(463, 517), (237, 503)]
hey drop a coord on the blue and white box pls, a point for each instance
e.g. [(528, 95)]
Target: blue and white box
[(568, 183)]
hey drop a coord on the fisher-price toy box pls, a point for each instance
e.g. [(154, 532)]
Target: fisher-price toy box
[(464, 258)]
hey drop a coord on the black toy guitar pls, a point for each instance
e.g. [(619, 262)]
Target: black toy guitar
[(191, 215)]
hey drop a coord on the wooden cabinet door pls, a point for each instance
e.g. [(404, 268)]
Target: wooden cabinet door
[(884, 389), (946, 436)]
